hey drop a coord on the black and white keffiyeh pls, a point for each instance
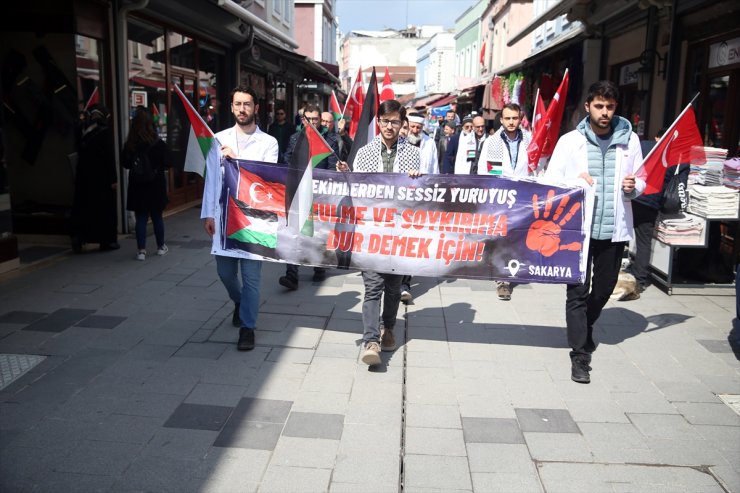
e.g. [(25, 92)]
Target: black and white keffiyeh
[(368, 158)]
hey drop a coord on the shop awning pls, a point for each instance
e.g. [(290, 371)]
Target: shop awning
[(153, 83), (310, 68), (445, 100), (423, 101)]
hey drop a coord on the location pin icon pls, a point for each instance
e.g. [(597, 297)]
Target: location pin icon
[(513, 267)]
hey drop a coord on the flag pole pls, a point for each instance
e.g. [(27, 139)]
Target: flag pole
[(668, 132), (322, 138), (186, 101)]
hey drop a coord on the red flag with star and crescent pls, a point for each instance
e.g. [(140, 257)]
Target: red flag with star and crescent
[(386, 91), (548, 130), (674, 147), (355, 100)]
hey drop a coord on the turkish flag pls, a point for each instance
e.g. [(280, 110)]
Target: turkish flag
[(353, 107), (386, 91), (548, 130), (257, 193), (539, 111), (674, 147), (367, 125)]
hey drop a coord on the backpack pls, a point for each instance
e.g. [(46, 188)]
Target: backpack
[(140, 167)]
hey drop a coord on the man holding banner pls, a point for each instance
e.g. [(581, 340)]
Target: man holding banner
[(603, 153), (242, 141), (386, 153)]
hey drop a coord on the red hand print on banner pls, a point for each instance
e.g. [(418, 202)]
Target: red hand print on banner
[(544, 234)]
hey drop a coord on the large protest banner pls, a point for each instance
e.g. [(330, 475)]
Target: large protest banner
[(465, 226)]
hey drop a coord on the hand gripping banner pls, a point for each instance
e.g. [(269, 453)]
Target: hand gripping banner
[(464, 226)]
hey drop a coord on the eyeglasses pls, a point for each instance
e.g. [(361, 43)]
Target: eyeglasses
[(394, 123)]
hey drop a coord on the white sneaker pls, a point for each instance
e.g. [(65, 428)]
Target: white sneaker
[(163, 250), (141, 255)]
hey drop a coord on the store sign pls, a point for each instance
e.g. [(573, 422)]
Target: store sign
[(724, 53), (139, 98), (628, 74)]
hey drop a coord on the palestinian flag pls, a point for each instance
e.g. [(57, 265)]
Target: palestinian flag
[(367, 126), (201, 140), (311, 149), (249, 225), (334, 107), (93, 99), (253, 206), (155, 114)]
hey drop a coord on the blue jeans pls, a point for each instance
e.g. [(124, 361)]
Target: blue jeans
[(377, 285), (157, 225), (246, 292)]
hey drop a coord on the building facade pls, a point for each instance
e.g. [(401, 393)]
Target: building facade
[(435, 65), (127, 54)]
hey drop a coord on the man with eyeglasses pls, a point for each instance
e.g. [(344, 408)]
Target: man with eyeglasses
[(386, 153), (242, 141), (464, 148), (281, 129), (344, 142), (505, 154), (310, 116)]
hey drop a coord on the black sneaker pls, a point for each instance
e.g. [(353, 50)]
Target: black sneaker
[(579, 370), (319, 275), (289, 282), (587, 361), (246, 339), (236, 321)]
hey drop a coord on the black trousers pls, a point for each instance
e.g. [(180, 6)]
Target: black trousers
[(644, 219), (291, 270), (584, 302)]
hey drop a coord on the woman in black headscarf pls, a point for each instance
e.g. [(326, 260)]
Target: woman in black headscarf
[(94, 208)]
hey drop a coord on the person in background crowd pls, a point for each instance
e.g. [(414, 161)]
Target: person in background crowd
[(242, 141), (644, 212), (311, 114), (429, 165), (388, 153), (94, 216), (602, 152), (345, 141), (146, 198), (448, 129), (461, 150), (281, 129), (404, 129), (505, 154)]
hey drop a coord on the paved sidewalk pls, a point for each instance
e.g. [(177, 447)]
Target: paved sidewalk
[(130, 381)]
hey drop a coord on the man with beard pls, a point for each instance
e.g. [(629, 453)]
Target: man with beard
[(344, 142), (505, 154), (462, 149), (429, 165), (386, 153), (603, 153), (242, 141), (311, 116)]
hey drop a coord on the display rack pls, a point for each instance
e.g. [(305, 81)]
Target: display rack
[(662, 259)]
